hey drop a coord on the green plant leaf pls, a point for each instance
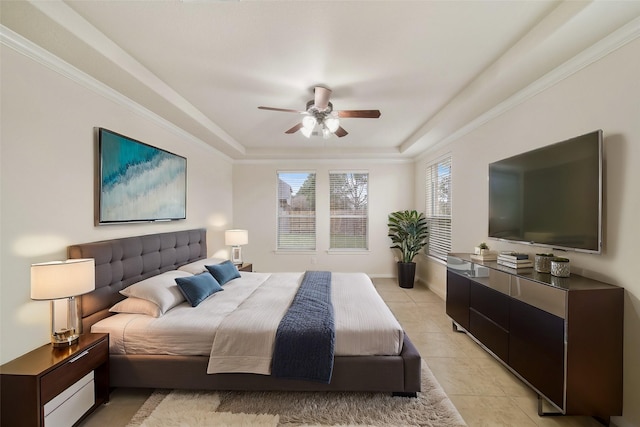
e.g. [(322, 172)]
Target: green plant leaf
[(408, 231)]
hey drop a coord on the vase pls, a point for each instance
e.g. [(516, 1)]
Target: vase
[(542, 264), (560, 268), (406, 274)]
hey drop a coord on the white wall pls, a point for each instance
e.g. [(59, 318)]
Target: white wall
[(47, 177), (604, 95), (255, 208)]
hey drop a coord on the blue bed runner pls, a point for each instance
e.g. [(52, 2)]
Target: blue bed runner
[(305, 339)]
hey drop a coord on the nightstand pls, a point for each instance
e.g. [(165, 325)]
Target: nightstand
[(246, 266), (56, 386)]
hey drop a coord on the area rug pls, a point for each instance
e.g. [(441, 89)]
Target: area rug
[(184, 408)]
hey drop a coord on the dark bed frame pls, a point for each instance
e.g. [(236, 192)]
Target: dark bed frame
[(124, 261)]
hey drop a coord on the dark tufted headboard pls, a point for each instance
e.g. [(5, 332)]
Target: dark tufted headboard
[(122, 262)]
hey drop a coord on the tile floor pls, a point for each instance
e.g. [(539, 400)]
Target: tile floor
[(485, 393)]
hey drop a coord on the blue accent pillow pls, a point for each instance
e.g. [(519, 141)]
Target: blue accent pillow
[(223, 272), (197, 288)]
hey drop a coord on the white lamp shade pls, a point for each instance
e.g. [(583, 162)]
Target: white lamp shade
[(62, 279), (309, 122), (236, 237), (326, 133), (306, 132), (333, 123)]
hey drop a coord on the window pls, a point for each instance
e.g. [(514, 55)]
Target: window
[(438, 208), (349, 194), (296, 210)]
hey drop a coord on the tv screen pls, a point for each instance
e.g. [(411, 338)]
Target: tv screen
[(551, 196), (138, 182)]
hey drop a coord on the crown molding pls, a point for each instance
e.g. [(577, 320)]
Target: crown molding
[(594, 53), (42, 56), (317, 161), (607, 45)]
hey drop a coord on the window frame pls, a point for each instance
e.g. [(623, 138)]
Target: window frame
[(439, 223), (365, 218), (300, 248)]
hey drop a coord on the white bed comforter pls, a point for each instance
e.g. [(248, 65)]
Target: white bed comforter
[(252, 307)]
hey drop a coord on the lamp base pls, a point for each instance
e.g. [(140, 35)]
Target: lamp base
[(68, 335), (64, 338), (236, 255)]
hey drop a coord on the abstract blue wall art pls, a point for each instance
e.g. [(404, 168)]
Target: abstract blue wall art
[(139, 182)]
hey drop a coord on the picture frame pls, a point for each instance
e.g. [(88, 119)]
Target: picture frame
[(137, 182)]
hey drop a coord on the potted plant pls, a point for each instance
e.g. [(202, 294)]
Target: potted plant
[(408, 232), (481, 249)]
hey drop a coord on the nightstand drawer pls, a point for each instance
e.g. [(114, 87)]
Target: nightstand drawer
[(70, 405), (59, 379)]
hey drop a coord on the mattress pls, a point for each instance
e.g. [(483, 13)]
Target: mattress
[(364, 324)]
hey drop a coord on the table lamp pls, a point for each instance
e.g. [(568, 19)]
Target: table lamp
[(236, 238), (63, 279)]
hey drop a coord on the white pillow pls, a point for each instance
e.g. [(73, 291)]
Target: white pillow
[(198, 267), (161, 290), (136, 306)]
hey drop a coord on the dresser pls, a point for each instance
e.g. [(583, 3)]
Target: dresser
[(562, 336)]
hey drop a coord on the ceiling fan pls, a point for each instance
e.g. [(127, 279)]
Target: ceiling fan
[(321, 115)]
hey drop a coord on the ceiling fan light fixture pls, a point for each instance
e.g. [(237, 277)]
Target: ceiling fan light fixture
[(309, 122), (332, 123), (320, 116), (306, 131)]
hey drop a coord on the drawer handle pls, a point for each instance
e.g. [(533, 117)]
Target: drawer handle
[(84, 353)]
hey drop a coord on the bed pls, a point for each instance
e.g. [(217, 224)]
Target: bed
[(168, 362)]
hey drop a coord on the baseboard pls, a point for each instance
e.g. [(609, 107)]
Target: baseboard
[(381, 276), (433, 289)]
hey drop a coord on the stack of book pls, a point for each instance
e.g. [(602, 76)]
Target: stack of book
[(515, 260), (486, 256)]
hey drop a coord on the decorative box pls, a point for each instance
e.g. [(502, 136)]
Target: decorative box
[(560, 267)]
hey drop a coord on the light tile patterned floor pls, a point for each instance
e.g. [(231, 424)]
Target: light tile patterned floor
[(485, 393)]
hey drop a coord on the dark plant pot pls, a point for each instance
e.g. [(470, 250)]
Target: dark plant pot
[(406, 274)]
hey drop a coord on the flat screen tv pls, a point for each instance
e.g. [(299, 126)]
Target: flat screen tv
[(551, 196), (138, 182)]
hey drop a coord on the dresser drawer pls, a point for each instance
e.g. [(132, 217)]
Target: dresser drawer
[(491, 335), (500, 281), (60, 378), (547, 298), (492, 304)]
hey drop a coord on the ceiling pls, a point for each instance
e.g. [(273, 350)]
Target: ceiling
[(433, 68)]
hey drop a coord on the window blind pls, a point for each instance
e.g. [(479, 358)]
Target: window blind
[(438, 208), (296, 211), (349, 205)]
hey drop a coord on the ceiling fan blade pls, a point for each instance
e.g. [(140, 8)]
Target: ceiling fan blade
[(321, 97), (340, 132), (363, 114), (294, 129), (286, 110)]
